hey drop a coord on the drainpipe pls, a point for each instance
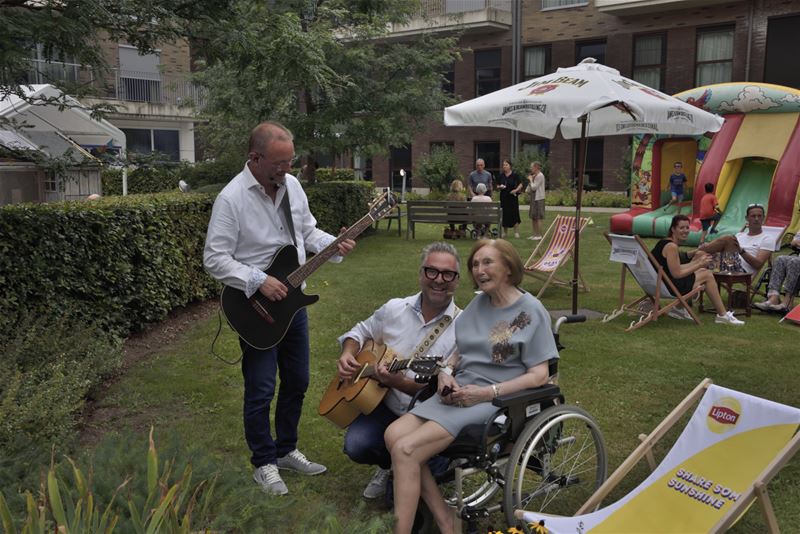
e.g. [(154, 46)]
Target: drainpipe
[(516, 42), (750, 17)]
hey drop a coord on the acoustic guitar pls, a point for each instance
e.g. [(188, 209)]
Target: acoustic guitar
[(344, 401), (262, 323)]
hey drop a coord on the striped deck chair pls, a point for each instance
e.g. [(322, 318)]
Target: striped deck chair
[(732, 446), (560, 239)]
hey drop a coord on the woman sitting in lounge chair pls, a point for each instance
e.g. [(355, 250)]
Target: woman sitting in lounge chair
[(688, 270)]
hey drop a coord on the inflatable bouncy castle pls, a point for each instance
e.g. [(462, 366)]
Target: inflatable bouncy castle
[(754, 158)]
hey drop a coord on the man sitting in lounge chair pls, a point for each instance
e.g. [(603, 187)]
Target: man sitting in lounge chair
[(749, 249)]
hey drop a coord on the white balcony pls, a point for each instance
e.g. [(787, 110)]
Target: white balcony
[(638, 7), (474, 16)]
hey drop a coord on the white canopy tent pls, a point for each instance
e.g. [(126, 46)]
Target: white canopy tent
[(73, 122)]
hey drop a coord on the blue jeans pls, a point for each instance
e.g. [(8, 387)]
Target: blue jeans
[(363, 442), (289, 359)]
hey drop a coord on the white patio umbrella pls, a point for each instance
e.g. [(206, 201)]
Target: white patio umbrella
[(586, 100)]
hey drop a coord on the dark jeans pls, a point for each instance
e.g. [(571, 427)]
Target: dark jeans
[(363, 442), (289, 359)]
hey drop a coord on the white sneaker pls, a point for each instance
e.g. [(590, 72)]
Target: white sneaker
[(679, 313), (297, 461), (728, 318), (763, 306), (516, 236), (537, 238), (270, 480), (377, 485)]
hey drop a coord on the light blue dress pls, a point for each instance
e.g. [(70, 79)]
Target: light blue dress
[(496, 345)]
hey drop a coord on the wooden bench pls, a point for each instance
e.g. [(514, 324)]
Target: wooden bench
[(451, 212)]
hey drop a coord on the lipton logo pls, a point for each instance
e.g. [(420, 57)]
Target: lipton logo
[(723, 415)]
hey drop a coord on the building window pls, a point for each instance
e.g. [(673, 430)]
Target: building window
[(649, 52), (442, 144), (58, 67), (489, 152), (782, 64), (560, 4), (487, 71), (593, 171), (536, 62), (595, 49), (142, 141), (714, 56), (139, 75), (449, 79), (400, 159)]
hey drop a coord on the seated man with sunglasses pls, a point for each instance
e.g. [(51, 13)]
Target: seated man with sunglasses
[(751, 248), (407, 326)]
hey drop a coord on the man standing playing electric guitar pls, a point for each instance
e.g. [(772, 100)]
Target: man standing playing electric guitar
[(260, 211), (421, 322)]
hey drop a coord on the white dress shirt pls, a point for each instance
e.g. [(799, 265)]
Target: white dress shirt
[(247, 228), (399, 325)]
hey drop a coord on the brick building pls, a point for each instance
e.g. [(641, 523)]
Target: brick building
[(672, 45), (149, 92)]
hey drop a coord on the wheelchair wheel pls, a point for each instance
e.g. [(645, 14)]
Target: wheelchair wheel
[(474, 234), (478, 488), (557, 463)]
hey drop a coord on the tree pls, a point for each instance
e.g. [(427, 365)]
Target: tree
[(325, 69), (72, 31)]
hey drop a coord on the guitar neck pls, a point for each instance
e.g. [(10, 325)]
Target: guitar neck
[(394, 366), (307, 269)]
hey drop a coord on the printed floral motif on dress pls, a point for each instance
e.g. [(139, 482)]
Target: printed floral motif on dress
[(500, 336)]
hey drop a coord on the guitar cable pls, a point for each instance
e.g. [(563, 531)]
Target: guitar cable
[(214, 342)]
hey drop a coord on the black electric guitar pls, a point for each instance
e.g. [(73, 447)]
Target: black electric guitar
[(262, 323)]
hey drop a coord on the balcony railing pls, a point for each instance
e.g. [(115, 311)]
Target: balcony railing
[(124, 85), (435, 8)]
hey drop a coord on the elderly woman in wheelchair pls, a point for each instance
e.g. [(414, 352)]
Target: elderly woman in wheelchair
[(505, 348)]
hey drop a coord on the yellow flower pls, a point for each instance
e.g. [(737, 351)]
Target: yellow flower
[(539, 528)]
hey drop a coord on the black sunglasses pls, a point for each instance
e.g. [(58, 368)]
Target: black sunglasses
[(432, 273)]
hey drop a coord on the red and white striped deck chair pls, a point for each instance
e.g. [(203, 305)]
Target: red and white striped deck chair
[(560, 239)]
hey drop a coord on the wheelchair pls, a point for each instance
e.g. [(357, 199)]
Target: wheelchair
[(762, 284), (536, 453)]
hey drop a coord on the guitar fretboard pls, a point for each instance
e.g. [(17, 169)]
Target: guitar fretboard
[(307, 269)]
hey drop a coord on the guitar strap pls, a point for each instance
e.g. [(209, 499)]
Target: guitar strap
[(443, 324), (287, 212)]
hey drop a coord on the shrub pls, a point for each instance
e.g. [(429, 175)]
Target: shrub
[(147, 179), (529, 154), (48, 366), (604, 199), (327, 174), (338, 204), (438, 169), (204, 173), (121, 262)]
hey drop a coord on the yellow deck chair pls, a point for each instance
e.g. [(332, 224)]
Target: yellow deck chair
[(731, 448), (635, 257), (560, 239)]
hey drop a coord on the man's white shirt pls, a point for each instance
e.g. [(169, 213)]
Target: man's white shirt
[(399, 325), (247, 229)]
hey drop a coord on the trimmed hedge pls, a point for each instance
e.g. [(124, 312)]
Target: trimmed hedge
[(602, 199), (120, 262), (157, 179), (337, 204)]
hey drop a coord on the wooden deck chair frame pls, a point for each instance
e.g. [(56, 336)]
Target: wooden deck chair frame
[(664, 288), (756, 491), (549, 276)]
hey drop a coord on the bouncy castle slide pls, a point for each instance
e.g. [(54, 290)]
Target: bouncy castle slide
[(754, 158)]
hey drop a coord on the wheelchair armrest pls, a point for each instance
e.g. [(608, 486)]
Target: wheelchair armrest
[(424, 393), (516, 404), (527, 396)]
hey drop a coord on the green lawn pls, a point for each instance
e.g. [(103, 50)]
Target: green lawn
[(628, 381)]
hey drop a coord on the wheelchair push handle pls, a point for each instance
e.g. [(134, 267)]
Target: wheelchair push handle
[(568, 319)]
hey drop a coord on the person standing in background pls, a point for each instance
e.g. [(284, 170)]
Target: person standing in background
[(510, 187), (536, 194), (479, 176)]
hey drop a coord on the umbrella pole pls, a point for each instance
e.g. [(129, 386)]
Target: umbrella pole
[(578, 201)]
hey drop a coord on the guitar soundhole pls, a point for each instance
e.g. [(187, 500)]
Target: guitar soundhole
[(261, 310)]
